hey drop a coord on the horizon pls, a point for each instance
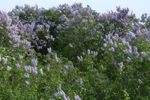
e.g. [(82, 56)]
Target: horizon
[(137, 7)]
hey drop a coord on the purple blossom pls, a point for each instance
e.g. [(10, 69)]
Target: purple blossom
[(49, 50), (34, 62), (17, 65), (135, 51), (63, 18), (30, 69), (76, 97)]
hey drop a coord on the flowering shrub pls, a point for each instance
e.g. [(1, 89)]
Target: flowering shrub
[(73, 52)]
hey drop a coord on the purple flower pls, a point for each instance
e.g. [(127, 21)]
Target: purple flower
[(30, 69), (49, 50), (76, 97), (17, 65), (63, 18), (135, 51), (34, 62)]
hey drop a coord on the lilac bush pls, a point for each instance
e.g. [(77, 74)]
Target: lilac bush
[(73, 52)]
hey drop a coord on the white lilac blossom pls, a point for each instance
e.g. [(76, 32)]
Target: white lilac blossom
[(41, 71), (14, 58), (120, 65), (135, 51), (27, 82), (80, 58), (20, 56), (143, 54), (68, 67), (52, 38), (56, 57), (47, 36), (105, 44), (88, 51), (17, 65), (80, 82), (70, 45), (16, 45), (128, 59), (39, 27), (4, 60), (140, 81), (94, 53), (8, 68)]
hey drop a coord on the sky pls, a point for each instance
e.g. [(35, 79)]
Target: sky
[(136, 6)]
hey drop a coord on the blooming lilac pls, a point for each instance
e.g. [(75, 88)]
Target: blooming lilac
[(34, 62), (41, 71), (143, 54), (4, 60), (128, 59), (17, 65), (63, 18), (26, 75), (48, 67), (61, 93), (49, 50), (76, 97), (8, 68), (80, 58), (30, 69), (27, 82), (111, 49)]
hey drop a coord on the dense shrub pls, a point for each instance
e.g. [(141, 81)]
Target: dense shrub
[(74, 52)]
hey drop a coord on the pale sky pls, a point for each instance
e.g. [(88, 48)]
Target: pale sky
[(137, 6)]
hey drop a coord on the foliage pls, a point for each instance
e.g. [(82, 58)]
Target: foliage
[(73, 52)]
